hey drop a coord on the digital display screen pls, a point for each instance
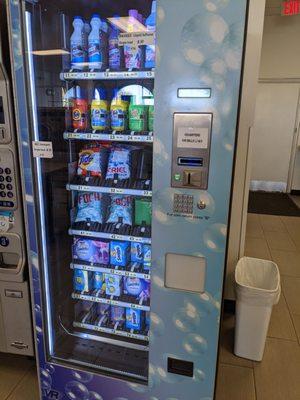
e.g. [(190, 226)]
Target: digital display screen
[(2, 120), (194, 93)]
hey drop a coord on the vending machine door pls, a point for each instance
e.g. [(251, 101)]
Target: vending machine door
[(128, 114)]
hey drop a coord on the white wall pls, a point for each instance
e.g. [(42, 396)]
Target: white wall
[(276, 107)]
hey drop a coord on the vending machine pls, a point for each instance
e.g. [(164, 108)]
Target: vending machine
[(128, 113), (16, 334)]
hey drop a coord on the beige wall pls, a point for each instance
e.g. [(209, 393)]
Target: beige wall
[(280, 65), (281, 48)]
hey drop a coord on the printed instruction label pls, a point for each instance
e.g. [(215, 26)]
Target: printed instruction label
[(4, 223), (42, 149), (193, 138), (136, 39)]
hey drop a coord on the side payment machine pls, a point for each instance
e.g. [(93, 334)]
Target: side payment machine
[(15, 311)]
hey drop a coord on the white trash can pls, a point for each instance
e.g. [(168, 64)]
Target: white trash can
[(257, 290)]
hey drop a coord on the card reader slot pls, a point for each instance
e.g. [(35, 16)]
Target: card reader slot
[(190, 161)]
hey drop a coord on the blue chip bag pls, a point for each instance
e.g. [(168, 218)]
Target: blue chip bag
[(133, 319), (82, 280), (119, 253), (113, 285), (89, 207), (119, 163), (120, 207), (137, 252), (117, 314), (98, 281)]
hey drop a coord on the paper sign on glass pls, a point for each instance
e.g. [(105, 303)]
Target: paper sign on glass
[(42, 149)]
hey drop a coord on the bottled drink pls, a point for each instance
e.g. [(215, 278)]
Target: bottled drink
[(118, 113), (104, 44), (151, 118), (115, 55), (133, 55), (137, 116), (77, 45), (99, 110), (79, 110), (151, 27), (95, 54)]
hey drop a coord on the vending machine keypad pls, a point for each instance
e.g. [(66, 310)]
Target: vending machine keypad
[(7, 181), (183, 204)]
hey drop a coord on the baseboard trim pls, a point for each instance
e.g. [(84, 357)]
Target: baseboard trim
[(295, 192)]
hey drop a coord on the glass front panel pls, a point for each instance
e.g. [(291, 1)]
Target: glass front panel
[(91, 69)]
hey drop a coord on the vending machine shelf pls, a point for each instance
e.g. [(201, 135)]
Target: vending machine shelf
[(109, 190), (107, 75), (129, 271), (111, 301), (112, 331), (113, 233), (113, 136)]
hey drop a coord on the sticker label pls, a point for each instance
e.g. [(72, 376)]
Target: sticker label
[(4, 223), (136, 39), (193, 138), (42, 149)]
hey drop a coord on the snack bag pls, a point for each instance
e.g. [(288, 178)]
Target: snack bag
[(117, 314), (133, 319), (89, 207), (119, 253), (98, 280), (92, 161), (147, 257), (82, 281), (120, 207), (137, 252), (113, 285), (119, 163), (91, 251)]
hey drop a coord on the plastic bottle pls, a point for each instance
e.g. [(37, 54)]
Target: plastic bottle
[(133, 56), (79, 110), (151, 27), (151, 118), (86, 32), (104, 44), (99, 110), (118, 113), (95, 53), (78, 55), (137, 116), (115, 54)]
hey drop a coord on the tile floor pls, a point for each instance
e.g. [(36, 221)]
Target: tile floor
[(277, 377)]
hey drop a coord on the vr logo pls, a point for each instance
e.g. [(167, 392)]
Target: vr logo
[(51, 394)]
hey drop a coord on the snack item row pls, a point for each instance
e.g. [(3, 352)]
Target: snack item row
[(101, 208), (107, 162), (115, 317), (123, 112), (111, 284), (114, 253)]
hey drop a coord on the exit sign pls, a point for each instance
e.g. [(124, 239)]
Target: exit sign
[(291, 7)]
